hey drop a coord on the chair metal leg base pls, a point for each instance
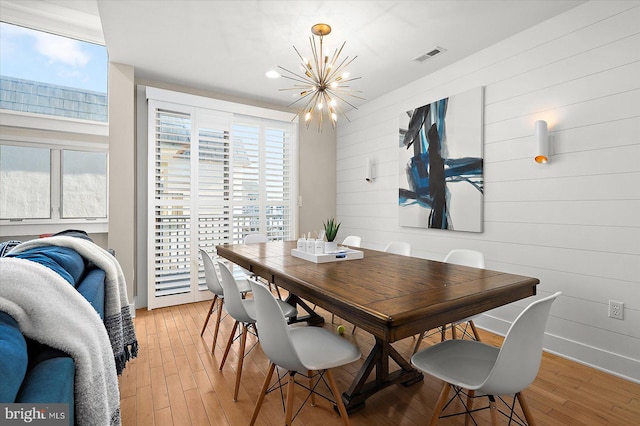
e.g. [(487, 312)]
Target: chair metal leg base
[(513, 418)]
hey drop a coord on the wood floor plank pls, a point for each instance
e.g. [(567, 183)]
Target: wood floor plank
[(176, 381), (159, 389), (144, 407)]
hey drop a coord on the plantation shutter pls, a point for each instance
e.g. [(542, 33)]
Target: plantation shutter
[(277, 180), (214, 177), (170, 200), (246, 181)]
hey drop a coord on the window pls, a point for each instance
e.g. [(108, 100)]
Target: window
[(214, 177), (84, 184), (25, 182), (48, 74), (52, 186)]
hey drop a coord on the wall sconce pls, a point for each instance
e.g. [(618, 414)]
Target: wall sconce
[(543, 150), (368, 170)]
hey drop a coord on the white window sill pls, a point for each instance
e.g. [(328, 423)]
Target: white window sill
[(33, 227)]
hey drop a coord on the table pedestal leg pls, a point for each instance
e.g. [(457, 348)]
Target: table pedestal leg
[(312, 318), (354, 398)]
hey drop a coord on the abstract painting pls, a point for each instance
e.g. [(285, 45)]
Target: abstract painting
[(441, 164)]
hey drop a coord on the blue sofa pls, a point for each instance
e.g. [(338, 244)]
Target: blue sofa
[(31, 372)]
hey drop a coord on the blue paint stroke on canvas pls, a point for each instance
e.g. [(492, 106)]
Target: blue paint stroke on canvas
[(429, 170)]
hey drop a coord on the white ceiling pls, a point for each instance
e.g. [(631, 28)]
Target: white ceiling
[(227, 46)]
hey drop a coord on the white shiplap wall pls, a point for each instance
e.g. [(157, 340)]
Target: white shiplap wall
[(574, 223)]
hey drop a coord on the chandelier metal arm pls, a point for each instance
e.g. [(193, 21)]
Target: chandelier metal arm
[(341, 67), (344, 100)]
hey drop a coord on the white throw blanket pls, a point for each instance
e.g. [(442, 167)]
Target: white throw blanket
[(117, 317), (49, 310)]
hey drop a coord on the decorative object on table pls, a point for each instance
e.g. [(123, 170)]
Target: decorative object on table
[(331, 227), (311, 245), (441, 164), (322, 82), (344, 253), (302, 243)]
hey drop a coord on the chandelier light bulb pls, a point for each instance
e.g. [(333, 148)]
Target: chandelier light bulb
[(319, 105)]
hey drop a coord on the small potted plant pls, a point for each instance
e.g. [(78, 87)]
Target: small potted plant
[(331, 231)]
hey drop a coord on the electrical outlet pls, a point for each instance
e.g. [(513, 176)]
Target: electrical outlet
[(616, 309)]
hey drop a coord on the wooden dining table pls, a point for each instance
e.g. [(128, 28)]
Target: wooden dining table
[(388, 295)]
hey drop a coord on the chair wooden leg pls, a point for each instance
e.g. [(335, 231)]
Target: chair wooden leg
[(226, 351), (442, 399), (290, 392), (494, 411), (217, 328), (336, 394), (243, 345), (263, 392), (475, 331), (206, 321), (443, 330), (454, 331), (467, 417), (525, 409), (313, 395)]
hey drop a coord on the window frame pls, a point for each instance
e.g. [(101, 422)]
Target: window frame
[(16, 227)]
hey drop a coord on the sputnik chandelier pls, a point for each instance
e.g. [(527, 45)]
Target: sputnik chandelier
[(323, 82)]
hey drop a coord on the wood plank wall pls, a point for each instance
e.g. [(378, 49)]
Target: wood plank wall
[(574, 223)]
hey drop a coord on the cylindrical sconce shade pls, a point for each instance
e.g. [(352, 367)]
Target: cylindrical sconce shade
[(542, 142), (368, 170)]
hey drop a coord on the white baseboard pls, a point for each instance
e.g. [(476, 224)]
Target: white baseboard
[(600, 359)]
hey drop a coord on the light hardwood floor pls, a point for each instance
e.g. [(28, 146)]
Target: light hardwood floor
[(176, 380)]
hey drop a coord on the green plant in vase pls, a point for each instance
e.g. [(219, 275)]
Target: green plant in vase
[(331, 227)]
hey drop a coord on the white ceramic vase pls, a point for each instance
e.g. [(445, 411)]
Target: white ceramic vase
[(330, 246)]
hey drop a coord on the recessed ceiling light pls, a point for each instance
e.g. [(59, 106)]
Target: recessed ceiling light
[(272, 74)]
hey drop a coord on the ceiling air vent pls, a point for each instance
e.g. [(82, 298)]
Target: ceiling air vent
[(430, 54)]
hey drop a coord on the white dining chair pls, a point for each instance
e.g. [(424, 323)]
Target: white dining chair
[(398, 247), (352, 241), (243, 312), (487, 371), (464, 257), (298, 350), (255, 238), (474, 259), (213, 284)]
